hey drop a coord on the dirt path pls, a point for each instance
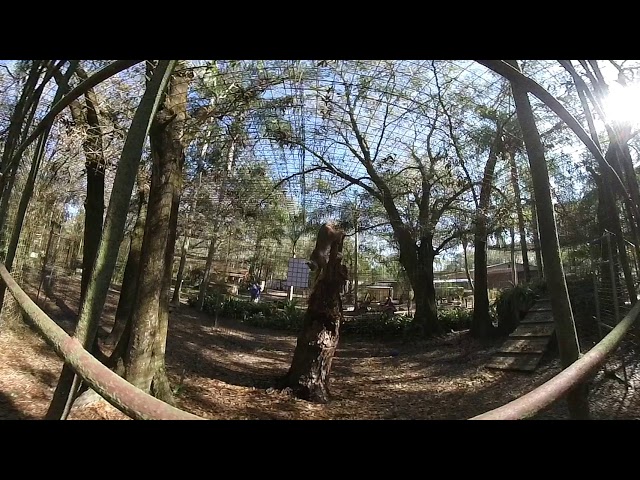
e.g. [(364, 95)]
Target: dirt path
[(226, 372)]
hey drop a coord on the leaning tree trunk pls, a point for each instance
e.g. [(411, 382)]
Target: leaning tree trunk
[(143, 365), (308, 376), (560, 304), (91, 308), (132, 269), (19, 123)]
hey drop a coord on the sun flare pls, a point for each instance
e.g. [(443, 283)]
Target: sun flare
[(623, 103)]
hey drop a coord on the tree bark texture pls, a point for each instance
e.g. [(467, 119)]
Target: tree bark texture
[(132, 268), (310, 369), (557, 286), (481, 326), (143, 367)]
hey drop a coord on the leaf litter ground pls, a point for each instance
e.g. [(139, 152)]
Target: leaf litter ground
[(227, 372)]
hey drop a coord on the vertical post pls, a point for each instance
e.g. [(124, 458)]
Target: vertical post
[(46, 259), (597, 302), (514, 269), (635, 257), (614, 284), (616, 306), (290, 296), (355, 263)]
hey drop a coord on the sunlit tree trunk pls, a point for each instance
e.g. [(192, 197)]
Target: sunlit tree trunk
[(88, 119), (560, 303), (185, 243), (132, 268), (143, 364), (97, 289), (310, 369)]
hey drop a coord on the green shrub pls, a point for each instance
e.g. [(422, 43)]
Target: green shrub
[(276, 319), (455, 319), (378, 325), (513, 303)]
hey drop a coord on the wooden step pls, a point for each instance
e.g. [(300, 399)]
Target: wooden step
[(537, 317), (533, 330), (528, 345), (541, 305), (522, 361)]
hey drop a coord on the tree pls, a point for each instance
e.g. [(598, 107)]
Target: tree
[(144, 358), (27, 191), (97, 289), (560, 303), (310, 369), (414, 181), (481, 323), (19, 126)]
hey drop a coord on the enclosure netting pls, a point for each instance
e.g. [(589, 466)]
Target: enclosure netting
[(288, 145)]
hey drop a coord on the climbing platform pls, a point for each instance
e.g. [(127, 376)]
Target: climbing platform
[(526, 345)]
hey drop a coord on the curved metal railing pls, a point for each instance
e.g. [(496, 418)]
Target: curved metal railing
[(114, 389), (139, 405), (568, 379)]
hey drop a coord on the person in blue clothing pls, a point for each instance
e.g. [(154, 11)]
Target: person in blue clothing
[(254, 291)]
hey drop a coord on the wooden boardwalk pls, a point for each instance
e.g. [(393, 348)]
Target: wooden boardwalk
[(526, 345)]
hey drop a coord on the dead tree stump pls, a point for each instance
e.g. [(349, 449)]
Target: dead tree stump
[(308, 376)]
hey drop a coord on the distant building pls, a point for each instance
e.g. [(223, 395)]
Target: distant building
[(499, 275)]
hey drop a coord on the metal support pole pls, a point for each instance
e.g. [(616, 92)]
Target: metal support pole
[(597, 302), (616, 306), (46, 259), (614, 284)]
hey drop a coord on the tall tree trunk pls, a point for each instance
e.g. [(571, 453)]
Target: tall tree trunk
[(516, 193), (560, 303), (107, 254), (184, 249), (310, 369), (213, 245), (466, 263), (160, 387), (95, 167), (536, 240), (143, 367), (185, 243), (481, 324), (609, 224), (418, 264), (132, 269), (202, 292), (612, 218)]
